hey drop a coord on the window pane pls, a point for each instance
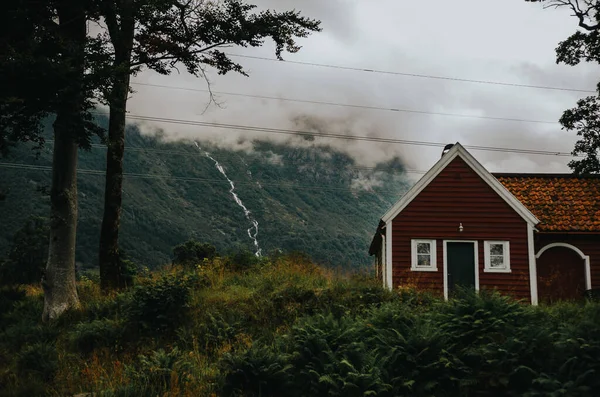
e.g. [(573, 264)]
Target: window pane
[(423, 260), (496, 249), (423, 248), (496, 261)]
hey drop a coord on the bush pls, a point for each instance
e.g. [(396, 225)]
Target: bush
[(39, 359), (352, 298), (155, 371), (217, 328), (260, 372), (96, 334), (192, 253), (243, 259), (28, 253), (161, 306), (8, 297)]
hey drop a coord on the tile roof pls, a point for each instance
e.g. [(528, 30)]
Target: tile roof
[(562, 202)]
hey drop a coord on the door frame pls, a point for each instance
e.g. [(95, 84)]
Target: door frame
[(475, 252)]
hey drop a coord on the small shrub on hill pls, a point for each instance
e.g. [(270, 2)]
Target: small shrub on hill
[(261, 371), (156, 369), (242, 260), (160, 306), (86, 337), (28, 253), (192, 253), (8, 297), (39, 360)]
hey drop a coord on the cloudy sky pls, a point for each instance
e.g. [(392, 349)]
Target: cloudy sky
[(493, 40)]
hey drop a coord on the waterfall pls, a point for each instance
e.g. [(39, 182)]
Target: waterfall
[(253, 230)]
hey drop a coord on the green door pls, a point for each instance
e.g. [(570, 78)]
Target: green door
[(461, 265)]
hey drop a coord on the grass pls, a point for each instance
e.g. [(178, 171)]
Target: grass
[(283, 326)]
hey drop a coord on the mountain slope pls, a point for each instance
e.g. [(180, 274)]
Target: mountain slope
[(302, 198)]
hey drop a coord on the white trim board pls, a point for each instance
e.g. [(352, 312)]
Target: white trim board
[(533, 287), (459, 151), (586, 260), (388, 255), (476, 253)]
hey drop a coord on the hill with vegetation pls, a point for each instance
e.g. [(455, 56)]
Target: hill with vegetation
[(304, 199), (281, 326)]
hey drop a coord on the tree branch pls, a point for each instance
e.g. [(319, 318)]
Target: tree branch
[(578, 12), (176, 57)]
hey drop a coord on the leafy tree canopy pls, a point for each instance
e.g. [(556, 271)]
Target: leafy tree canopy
[(582, 46), (169, 33), (34, 74)]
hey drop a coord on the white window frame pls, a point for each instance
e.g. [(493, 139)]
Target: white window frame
[(488, 263), (433, 253)]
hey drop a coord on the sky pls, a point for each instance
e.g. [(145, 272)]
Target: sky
[(510, 41)]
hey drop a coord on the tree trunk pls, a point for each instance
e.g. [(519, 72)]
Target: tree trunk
[(111, 272), (60, 290)]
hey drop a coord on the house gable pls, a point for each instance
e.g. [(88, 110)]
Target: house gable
[(459, 206), (458, 151)]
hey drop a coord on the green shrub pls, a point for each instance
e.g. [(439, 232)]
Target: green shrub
[(24, 386), (258, 372), (487, 316), (192, 253), (293, 301), (97, 334), (413, 352), (8, 297), (153, 372), (161, 306), (330, 357), (349, 298), (128, 271), (22, 325), (217, 328), (242, 260), (28, 253), (39, 359), (23, 333)]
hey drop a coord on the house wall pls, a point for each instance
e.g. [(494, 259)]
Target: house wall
[(458, 195), (588, 243)]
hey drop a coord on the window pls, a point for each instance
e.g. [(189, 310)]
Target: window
[(497, 257), (423, 256)]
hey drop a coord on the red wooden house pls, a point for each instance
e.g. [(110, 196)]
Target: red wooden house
[(534, 236)]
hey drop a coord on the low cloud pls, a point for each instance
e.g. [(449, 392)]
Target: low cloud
[(364, 37)]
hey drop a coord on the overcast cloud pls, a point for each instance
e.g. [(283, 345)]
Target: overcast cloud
[(495, 40)]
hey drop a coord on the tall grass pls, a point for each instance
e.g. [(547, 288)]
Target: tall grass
[(285, 327)]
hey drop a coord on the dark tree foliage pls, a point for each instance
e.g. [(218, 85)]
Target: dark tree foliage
[(582, 46), (192, 253), (33, 74), (161, 35)]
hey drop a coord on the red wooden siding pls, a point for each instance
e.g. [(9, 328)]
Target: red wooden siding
[(588, 243), (458, 195)]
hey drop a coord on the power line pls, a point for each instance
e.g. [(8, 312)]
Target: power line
[(342, 136), (424, 76), (31, 167), (396, 110)]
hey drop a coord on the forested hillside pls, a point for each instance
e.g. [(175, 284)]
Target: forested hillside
[(303, 199)]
